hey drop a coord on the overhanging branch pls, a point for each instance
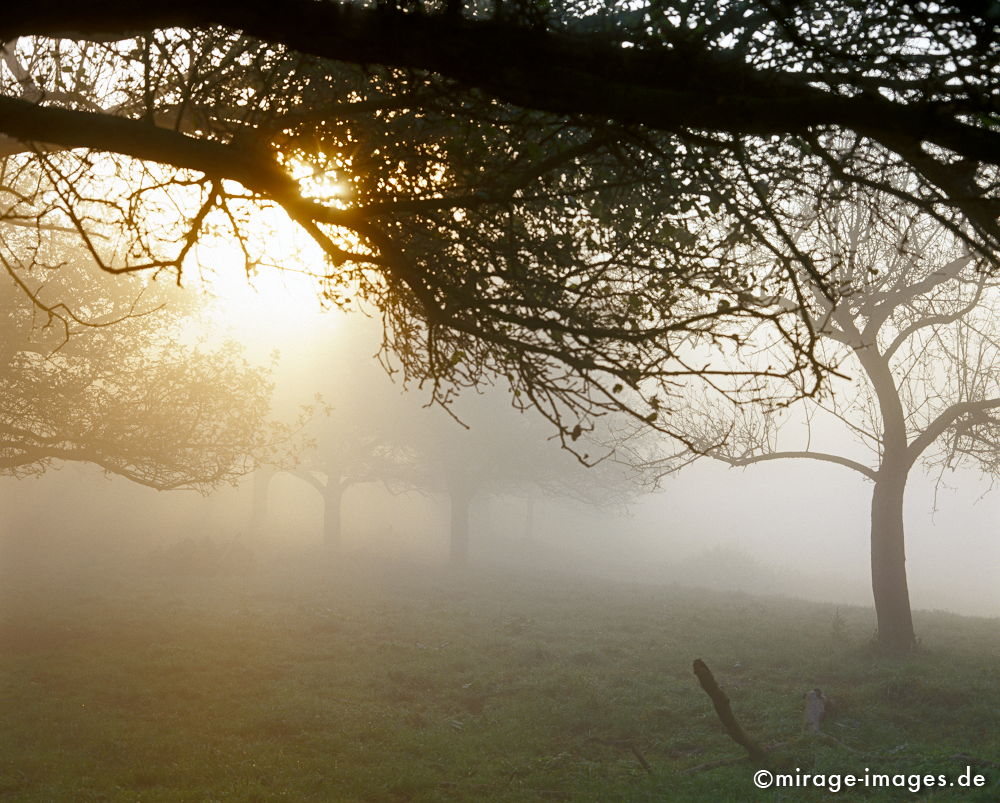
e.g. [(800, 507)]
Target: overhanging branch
[(682, 84)]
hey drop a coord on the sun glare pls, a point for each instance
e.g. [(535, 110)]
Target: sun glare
[(280, 297)]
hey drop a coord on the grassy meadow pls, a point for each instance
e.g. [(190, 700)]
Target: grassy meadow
[(376, 683)]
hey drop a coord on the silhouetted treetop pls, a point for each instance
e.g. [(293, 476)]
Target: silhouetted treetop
[(561, 193), (896, 71)]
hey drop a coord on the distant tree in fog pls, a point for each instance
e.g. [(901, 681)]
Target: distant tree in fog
[(367, 430), (355, 432), (500, 450), (119, 384), (914, 330), (347, 450)]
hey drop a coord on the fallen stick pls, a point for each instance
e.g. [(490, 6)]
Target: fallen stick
[(756, 753)]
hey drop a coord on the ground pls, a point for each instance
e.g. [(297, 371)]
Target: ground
[(389, 683)]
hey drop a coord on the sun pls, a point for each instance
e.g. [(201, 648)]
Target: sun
[(266, 288)]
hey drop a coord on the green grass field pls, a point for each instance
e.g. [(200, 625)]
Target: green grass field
[(385, 684)]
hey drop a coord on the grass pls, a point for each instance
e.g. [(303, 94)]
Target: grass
[(385, 684)]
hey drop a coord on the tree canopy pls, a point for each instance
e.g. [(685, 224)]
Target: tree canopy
[(561, 193), (125, 389), (365, 430)]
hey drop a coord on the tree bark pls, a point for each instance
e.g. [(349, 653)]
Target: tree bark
[(892, 596), (461, 498)]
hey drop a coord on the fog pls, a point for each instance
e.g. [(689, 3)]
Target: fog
[(410, 401), (792, 528)]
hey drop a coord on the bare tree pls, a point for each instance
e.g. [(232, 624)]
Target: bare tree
[(913, 332)]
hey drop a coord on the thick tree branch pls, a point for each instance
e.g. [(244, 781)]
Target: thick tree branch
[(28, 455), (681, 85), (944, 420), (723, 709), (737, 462), (254, 168), (904, 295), (311, 478), (942, 319)]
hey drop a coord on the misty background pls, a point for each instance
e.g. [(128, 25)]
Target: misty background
[(794, 528)]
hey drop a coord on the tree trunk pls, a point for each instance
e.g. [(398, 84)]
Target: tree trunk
[(332, 496), (461, 497), (892, 597)]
